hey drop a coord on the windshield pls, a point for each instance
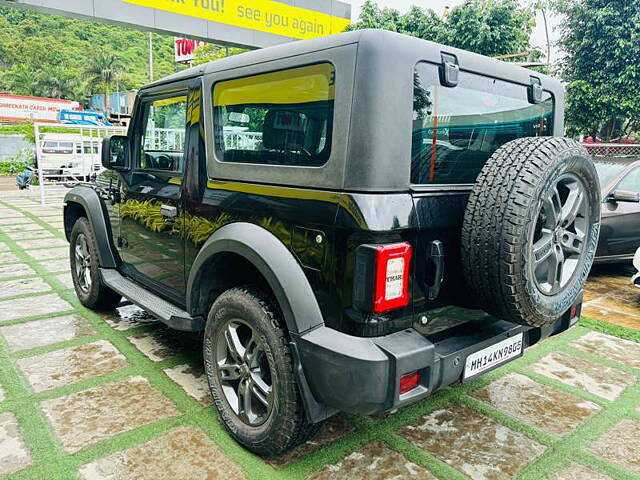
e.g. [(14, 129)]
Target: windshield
[(608, 171)]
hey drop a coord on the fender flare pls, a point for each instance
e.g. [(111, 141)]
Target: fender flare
[(274, 261), (96, 214)]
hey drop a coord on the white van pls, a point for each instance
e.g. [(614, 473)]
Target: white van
[(64, 155)]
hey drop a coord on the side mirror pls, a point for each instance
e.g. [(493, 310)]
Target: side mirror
[(624, 196), (115, 152)]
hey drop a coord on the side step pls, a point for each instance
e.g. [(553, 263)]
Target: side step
[(166, 312)]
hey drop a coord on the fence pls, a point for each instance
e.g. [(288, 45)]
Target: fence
[(617, 150), (67, 154)]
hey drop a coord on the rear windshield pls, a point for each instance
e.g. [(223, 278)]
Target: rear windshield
[(455, 130), (277, 118)]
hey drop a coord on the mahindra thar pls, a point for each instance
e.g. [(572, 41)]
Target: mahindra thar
[(352, 222)]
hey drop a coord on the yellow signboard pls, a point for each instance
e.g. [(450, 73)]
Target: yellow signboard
[(262, 15)]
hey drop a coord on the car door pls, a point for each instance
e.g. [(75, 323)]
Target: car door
[(630, 212), (151, 230)]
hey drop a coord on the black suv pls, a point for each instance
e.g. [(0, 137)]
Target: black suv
[(353, 222)]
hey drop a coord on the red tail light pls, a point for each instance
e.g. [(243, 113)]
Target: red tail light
[(409, 381), (391, 288)]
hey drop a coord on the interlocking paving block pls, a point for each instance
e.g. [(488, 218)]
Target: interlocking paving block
[(55, 266), (16, 221), (193, 381), (15, 270), (20, 228), (32, 306), (14, 455), (373, 462), (332, 430), (6, 213), (43, 243), (41, 333), (164, 343), (31, 234), (621, 445), (473, 443), (65, 279), (127, 317), (48, 253), (610, 316), (70, 365), (609, 347), (575, 471), (626, 303), (8, 257), (536, 404), (589, 376), (91, 416), (12, 288), (185, 452)]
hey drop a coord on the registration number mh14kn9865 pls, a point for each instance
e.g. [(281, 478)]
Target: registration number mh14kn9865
[(490, 357)]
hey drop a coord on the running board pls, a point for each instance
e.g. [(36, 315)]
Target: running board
[(166, 312)]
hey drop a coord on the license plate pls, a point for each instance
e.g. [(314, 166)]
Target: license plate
[(490, 357)]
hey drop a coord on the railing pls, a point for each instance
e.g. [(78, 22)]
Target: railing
[(242, 140), (613, 149), (81, 162)]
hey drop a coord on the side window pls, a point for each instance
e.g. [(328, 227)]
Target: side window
[(456, 130), (163, 134), (277, 118), (631, 182)]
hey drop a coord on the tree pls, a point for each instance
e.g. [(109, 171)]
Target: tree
[(57, 82), (22, 80), (102, 71), (602, 66), (488, 27), (211, 52)]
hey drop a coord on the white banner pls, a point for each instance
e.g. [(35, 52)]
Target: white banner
[(17, 108)]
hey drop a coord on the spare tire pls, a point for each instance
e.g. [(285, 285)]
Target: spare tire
[(531, 229)]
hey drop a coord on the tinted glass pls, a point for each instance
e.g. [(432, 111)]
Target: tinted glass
[(608, 171), (455, 130), (278, 118), (164, 134), (631, 182)]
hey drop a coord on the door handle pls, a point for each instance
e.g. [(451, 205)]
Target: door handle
[(168, 211)]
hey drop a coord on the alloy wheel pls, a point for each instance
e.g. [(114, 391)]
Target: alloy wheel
[(244, 372), (83, 263), (558, 243)]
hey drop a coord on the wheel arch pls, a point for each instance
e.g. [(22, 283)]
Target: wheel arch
[(247, 246), (84, 202)]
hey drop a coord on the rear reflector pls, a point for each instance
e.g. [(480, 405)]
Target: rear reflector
[(391, 277), (409, 381)]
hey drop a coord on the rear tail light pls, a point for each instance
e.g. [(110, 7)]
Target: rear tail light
[(391, 275), (409, 381)]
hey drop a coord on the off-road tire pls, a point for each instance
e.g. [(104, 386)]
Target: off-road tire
[(498, 228), (286, 426), (98, 296)]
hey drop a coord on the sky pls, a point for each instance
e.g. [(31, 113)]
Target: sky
[(538, 37)]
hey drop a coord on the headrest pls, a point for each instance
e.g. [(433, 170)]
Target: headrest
[(460, 137), (284, 130)]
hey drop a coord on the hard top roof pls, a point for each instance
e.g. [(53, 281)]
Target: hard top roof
[(374, 42)]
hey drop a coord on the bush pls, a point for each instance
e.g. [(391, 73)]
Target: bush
[(17, 164)]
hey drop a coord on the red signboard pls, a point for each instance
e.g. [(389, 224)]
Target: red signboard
[(185, 49)]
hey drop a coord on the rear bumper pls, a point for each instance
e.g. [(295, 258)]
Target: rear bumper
[(362, 375)]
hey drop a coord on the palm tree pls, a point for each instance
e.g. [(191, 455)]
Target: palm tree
[(57, 82), (22, 80), (101, 71)]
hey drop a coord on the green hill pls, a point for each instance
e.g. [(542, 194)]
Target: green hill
[(42, 54)]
